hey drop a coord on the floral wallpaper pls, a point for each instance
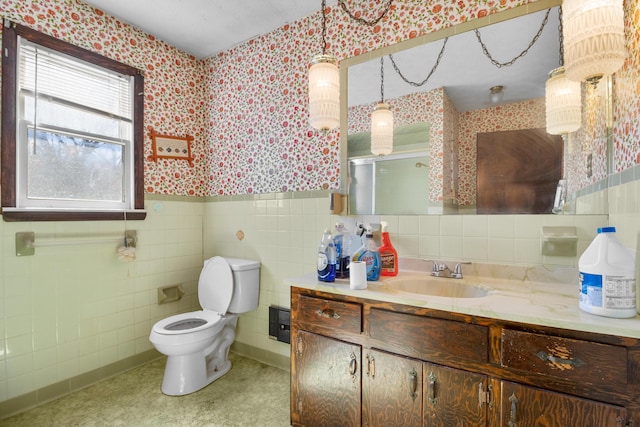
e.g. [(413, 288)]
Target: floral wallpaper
[(586, 149), (173, 80), (256, 115), (451, 156), (247, 107), (627, 95)]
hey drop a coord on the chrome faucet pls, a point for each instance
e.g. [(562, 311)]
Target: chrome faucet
[(441, 269)]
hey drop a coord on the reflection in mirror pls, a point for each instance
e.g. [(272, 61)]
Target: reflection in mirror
[(518, 171), (379, 183), (456, 104)]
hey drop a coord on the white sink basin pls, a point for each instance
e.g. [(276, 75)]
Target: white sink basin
[(433, 286)]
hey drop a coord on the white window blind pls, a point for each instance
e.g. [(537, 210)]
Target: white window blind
[(75, 132), (67, 79)]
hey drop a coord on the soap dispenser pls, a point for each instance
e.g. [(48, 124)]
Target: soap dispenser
[(388, 254)]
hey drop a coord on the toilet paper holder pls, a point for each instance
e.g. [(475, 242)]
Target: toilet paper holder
[(170, 294)]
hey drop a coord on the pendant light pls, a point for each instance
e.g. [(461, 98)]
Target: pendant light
[(563, 103), (594, 38), (496, 95), (382, 122), (563, 97), (324, 86)]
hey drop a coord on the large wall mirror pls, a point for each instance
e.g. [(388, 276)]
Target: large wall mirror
[(436, 165)]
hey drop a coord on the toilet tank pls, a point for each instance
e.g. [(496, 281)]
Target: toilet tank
[(246, 285)]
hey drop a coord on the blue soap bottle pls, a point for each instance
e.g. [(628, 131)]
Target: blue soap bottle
[(327, 258), (371, 256)]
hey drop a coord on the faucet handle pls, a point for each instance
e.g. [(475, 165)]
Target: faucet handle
[(437, 267), (457, 270)]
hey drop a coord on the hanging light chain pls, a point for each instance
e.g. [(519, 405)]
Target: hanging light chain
[(362, 20), (324, 27), (523, 53), (412, 83), (560, 29), (382, 79)]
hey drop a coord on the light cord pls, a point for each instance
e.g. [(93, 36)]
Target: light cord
[(412, 83), (362, 20), (324, 27), (382, 79), (523, 53), (560, 29)]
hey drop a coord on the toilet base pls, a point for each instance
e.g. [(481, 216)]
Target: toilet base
[(191, 379), (189, 373)]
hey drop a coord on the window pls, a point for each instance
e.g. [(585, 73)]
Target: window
[(72, 132)]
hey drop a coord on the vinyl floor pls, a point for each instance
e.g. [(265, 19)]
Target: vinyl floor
[(251, 394)]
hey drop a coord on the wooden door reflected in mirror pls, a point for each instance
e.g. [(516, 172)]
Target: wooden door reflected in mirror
[(518, 171)]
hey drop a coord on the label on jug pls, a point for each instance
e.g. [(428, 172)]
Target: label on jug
[(608, 291)]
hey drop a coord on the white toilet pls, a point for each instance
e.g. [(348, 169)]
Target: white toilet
[(197, 343)]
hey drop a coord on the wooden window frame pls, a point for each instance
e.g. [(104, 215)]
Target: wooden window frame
[(8, 167)]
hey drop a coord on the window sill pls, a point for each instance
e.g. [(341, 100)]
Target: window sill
[(17, 215)]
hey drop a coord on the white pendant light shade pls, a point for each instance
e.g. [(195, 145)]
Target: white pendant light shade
[(382, 130), (324, 93), (593, 38), (563, 103)]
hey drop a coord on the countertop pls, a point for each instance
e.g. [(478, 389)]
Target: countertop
[(519, 294)]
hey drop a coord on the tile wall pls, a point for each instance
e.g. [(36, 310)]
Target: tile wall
[(283, 232), (69, 310), (72, 309)]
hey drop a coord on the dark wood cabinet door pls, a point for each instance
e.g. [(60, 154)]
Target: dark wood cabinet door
[(523, 406), (453, 397), (325, 381), (392, 389)]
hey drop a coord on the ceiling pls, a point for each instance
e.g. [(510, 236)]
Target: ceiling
[(206, 27)]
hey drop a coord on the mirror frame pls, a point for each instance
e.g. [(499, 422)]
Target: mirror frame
[(408, 44)]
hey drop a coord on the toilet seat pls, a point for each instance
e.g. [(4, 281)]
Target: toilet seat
[(215, 289), (201, 319), (215, 286)]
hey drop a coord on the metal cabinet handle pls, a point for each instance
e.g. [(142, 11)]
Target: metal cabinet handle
[(574, 363), (372, 367), (432, 388), (485, 396), (513, 420), (368, 365), (328, 314), (353, 365), (413, 384)]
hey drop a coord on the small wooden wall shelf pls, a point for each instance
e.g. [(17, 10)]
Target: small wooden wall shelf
[(171, 147)]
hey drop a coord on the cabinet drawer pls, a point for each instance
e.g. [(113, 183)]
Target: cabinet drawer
[(429, 338), (564, 358), (345, 316)]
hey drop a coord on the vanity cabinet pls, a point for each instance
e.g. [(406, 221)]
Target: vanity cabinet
[(454, 397), (327, 389), (362, 362), (392, 390), (524, 406), (327, 371)]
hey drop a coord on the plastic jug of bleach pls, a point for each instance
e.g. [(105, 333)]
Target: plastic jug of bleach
[(607, 277)]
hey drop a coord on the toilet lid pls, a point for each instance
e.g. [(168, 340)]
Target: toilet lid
[(215, 287)]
